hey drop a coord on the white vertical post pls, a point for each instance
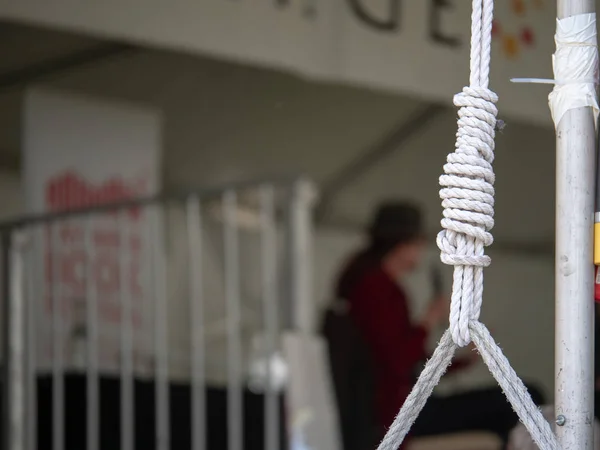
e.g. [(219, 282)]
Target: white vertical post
[(197, 352), (91, 311), (303, 307), (58, 337), (162, 409), (15, 342), (575, 147), (270, 312), (235, 405), (127, 387), (32, 303)]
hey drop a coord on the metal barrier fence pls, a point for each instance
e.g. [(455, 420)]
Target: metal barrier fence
[(94, 292)]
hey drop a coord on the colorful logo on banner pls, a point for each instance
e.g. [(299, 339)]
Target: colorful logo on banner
[(514, 42), (107, 253), (70, 191)]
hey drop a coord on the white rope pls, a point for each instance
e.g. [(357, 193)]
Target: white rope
[(513, 388), (509, 381), (520, 439), (468, 191), (468, 199), (429, 378)]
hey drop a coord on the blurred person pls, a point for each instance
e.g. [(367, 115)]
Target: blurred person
[(376, 350)]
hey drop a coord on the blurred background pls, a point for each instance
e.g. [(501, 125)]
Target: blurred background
[(355, 96)]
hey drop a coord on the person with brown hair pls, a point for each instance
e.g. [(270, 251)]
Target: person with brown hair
[(376, 350)]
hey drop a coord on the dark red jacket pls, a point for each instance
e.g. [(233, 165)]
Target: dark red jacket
[(379, 308)]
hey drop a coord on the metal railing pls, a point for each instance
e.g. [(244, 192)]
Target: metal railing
[(94, 292)]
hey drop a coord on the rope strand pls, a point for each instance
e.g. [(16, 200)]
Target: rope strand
[(468, 200)]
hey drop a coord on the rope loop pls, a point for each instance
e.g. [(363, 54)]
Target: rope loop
[(467, 195), (468, 200), (509, 381)]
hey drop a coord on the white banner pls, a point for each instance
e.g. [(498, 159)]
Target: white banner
[(80, 152), (311, 411), (419, 47)]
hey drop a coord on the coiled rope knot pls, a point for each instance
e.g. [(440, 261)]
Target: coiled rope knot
[(468, 200)]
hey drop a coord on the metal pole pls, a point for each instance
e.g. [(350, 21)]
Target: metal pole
[(303, 307), (235, 406), (127, 387), (6, 313), (163, 430), (14, 345), (58, 339), (197, 350), (32, 267), (575, 156), (270, 312), (91, 312)]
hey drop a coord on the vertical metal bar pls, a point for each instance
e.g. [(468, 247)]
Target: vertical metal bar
[(194, 229), (127, 405), (91, 311), (32, 270), (58, 382), (15, 333), (575, 147), (160, 331), (17, 359), (269, 295), (6, 294), (148, 296), (286, 286), (234, 347), (303, 308)]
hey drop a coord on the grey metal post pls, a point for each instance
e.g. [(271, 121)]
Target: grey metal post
[(91, 311), (575, 147), (270, 312), (159, 268), (235, 426), (197, 346), (58, 338), (14, 341), (32, 266), (127, 364), (300, 254)]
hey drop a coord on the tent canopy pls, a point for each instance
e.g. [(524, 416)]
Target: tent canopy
[(225, 121)]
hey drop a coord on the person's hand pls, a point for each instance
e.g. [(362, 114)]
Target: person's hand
[(436, 313)]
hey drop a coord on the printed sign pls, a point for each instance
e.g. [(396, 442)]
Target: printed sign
[(80, 153)]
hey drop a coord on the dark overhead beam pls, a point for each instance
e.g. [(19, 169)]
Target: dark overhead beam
[(390, 144), (56, 66)]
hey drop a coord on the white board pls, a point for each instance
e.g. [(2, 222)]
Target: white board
[(309, 396), (80, 152)]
